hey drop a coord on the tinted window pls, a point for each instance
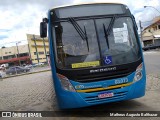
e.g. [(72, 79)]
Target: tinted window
[(71, 48), (119, 46), (122, 43)]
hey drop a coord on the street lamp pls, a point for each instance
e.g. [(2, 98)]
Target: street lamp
[(153, 8), (18, 53)]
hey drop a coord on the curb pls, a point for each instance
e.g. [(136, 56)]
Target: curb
[(25, 74)]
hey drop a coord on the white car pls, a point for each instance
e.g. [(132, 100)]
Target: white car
[(2, 74), (39, 64), (28, 66)]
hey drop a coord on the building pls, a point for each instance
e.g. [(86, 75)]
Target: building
[(38, 47), (151, 34), (15, 55)]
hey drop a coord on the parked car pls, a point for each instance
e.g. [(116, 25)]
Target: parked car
[(2, 68), (2, 74), (34, 65), (28, 66), (23, 65), (37, 64), (149, 47), (17, 70), (4, 65)]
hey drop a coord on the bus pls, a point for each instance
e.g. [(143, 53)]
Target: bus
[(95, 54)]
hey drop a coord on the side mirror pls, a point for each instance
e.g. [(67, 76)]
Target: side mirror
[(43, 29)]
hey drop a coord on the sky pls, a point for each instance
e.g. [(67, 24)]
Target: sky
[(21, 17)]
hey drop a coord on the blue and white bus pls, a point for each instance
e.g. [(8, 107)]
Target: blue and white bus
[(96, 55)]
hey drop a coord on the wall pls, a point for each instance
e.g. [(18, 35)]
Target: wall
[(40, 48)]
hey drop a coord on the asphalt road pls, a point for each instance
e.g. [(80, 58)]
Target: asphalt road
[(152, 62), (35, 92)]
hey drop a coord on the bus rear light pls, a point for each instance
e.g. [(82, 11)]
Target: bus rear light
[(65, 83), (138, 74)]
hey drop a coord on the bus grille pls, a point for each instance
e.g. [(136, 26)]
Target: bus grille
[(95, 99), (102, 76)]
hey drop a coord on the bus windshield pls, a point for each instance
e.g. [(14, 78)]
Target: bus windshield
[(115, 47)]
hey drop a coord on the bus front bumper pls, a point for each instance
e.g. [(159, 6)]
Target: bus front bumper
[(69, 99)]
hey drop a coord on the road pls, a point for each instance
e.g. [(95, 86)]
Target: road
[(34, 92), (152, 60)]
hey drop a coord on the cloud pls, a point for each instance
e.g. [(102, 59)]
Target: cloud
[(42, 3), (18, 17), (23, 16)]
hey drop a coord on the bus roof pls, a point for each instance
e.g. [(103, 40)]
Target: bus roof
[(87, 4)]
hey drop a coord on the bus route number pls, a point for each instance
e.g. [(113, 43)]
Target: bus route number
[(121, 81)]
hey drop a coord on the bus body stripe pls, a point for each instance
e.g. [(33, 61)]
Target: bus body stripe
[(110, 87)]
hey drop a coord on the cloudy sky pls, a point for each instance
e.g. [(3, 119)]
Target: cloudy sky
[(19, 17)]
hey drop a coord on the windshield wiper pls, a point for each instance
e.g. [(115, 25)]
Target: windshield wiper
[(83, 34), (106, 35), (107, 32)]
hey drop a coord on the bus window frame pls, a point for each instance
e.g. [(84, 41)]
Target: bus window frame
[(92, 18)]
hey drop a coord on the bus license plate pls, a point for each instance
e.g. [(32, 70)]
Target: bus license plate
[(105, 95)]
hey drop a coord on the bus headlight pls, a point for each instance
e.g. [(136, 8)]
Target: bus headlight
[(65, 83), (138, 74)]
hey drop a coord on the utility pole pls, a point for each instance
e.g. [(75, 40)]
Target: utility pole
[(45, 49), (140, 26), (34, 39), (30, 57), (18, 54)]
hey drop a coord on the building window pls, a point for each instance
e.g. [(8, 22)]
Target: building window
[(149, 30), (8, 57), (41, 53), (23, 54), (35, 53), (158, 26), (6, 52), (155, 28)]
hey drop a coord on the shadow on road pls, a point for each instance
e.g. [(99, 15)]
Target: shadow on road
[(103, 109)]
